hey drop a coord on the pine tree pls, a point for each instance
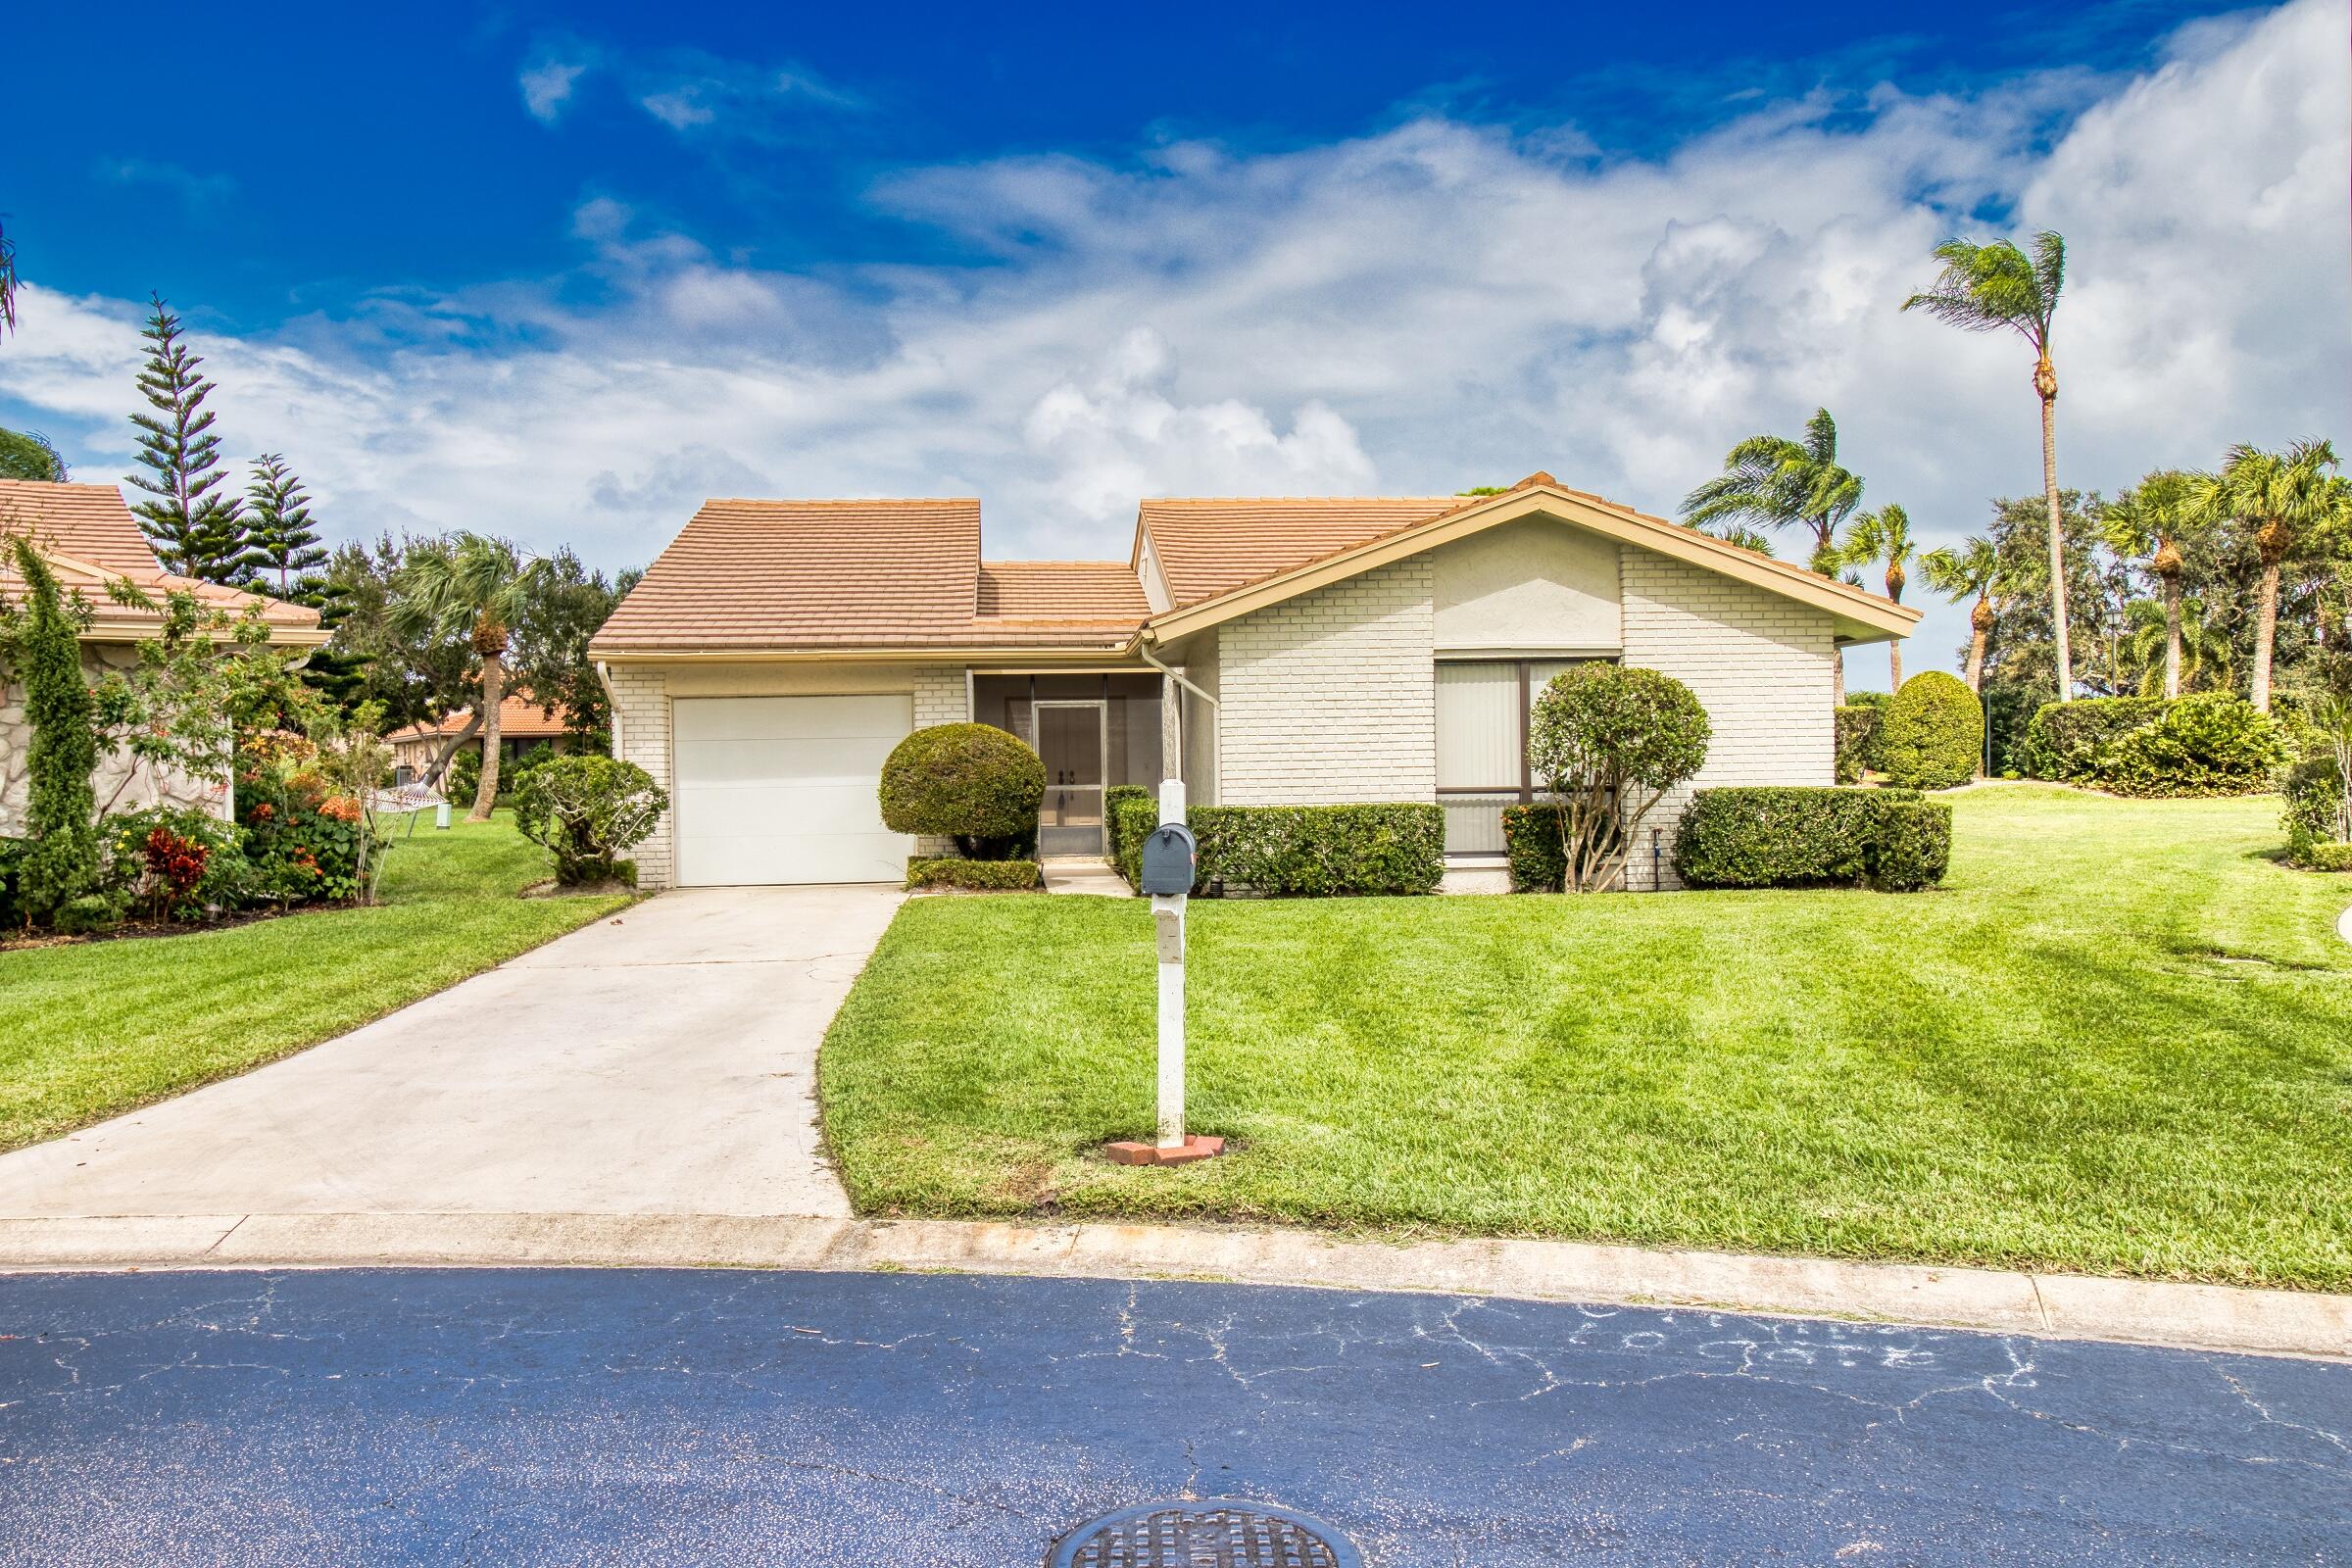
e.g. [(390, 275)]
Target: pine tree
[(280, 535), (195, 532)]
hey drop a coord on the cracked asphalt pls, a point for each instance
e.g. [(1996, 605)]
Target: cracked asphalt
[(719, 1418)]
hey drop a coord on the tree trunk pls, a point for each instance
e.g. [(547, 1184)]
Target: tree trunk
[(1895, 665), (2266, 633), (1837, 663), (440, 769), (1979, 628), (494, 688), (2045, 383), (2172, 636)]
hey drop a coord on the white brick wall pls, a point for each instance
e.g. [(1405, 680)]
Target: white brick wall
[(1332, 696), (1762, 663), (643, 697)]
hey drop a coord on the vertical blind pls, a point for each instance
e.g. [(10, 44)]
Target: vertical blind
[(1482, 746)]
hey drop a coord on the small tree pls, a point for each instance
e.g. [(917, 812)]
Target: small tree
[(195, 532), (587, 812), (974, 783), (1608, 742), (27, 455), (60, 862), (284, 537)]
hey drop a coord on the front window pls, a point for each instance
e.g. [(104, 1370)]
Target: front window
[(1483, 712)]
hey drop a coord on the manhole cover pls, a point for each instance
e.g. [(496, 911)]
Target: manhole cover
[(1214, 1533)]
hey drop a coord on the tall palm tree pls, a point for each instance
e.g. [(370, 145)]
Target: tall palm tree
[(2150, 523), (1975, 567), (2182, 631), (1774, 482), (1995, 287), (477, 590), (2284, 502), (1883, 535)]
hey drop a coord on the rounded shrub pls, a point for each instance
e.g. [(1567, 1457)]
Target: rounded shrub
[(1933, 733), (2211, 742), (974, 783)]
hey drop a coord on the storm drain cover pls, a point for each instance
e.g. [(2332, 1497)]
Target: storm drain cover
[(1214, 1533)]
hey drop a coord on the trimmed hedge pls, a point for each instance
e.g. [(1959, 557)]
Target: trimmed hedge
[(1531, 842), (1299, 851), (1114, 846), (974, 783), (2313, 819), (1861, 739), (1797, 836), (978, 876), (1934, 733), (2064, 740)]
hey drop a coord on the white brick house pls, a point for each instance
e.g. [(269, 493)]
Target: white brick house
[(1279, 652)]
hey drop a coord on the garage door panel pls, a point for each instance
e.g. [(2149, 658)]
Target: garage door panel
[(783, 789)]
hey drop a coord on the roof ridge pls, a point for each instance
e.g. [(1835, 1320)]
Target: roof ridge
[(840, 501), (1219, 501)]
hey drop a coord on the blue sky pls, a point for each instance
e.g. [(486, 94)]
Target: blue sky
[(560, 273)]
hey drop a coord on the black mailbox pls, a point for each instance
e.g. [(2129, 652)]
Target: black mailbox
[(1168, 860)]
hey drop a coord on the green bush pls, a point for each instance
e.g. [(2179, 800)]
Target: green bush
[(1861, 734), (1868, 699), (974, 783), (2316, 805), (587, 812), (2212, 743), (61, 860), (1113, 797), (1531, 842), (87, 914), (2064, 740), (2323, 855), (1300, 851), (12, 908), (1934, 733), (1890, 840), (2009, 710), (462, 780), (980, 876), (181, 864)]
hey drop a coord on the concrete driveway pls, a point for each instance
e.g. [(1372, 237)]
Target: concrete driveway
[(662, 1062)]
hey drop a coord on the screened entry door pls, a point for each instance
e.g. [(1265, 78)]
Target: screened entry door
[(1071, 742)]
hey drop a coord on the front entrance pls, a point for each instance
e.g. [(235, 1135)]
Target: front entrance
[(1071, 741)]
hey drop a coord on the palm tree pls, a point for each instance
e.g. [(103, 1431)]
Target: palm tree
[(2150, 520), (1975, 567), (1774, 483), (479, 589), (1883, 535), (1986, 288), (2284, 502), (2158, 633), (8, 282)]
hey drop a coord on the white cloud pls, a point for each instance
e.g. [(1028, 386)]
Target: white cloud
[(1436, 306), (547, 87)]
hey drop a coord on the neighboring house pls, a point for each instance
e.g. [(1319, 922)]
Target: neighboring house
[(521, 725), (89, 539), (1317, 651)]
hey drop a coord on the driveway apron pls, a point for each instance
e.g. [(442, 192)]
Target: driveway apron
[(662, 1062)]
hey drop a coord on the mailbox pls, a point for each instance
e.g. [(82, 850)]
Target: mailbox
[(1168, 860)]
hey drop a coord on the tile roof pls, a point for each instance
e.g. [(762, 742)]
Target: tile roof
[(89, 538), (1208, 547), (750, 574), (1097, 591), (518, 716)]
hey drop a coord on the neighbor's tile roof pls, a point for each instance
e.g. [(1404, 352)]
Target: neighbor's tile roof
[(1208, 547), (748, 574), (89, 538), (518, 716)]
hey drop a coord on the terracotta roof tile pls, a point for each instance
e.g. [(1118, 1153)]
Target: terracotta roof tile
[(518, 716), (90, 537), (1210, 547), (806, 575)]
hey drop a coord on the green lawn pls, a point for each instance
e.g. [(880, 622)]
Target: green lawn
[(2118, 1039), (94, 1029)]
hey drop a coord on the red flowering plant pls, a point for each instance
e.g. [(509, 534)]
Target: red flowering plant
[(181, 864)]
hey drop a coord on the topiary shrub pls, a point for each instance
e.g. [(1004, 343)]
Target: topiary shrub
[(977, 876), (587, 812), (1860, 733), (2063, 740), (1607, 742), (1934, 733), (974, 783), (1300, 851), (1782, 837), (2212, 743), (1531, 842)]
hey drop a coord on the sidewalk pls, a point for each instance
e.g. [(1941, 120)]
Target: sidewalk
[(2209, 1317)]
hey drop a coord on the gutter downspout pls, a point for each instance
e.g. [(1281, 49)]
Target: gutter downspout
[(1143, 648)]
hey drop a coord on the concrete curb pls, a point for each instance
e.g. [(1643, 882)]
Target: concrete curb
[(2207, 1317)]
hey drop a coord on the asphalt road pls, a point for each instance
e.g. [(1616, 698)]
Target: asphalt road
[(708, 1417)]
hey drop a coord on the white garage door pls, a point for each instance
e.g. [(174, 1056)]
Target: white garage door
[(781, 789)]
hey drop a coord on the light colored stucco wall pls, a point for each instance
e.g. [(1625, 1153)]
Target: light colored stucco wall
[(1332, 696), (643, 694), (1760, 663), (1532, 586), (1202, 669), (121, 782)]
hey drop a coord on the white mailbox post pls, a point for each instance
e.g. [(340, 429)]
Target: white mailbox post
[(1168, 863)]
